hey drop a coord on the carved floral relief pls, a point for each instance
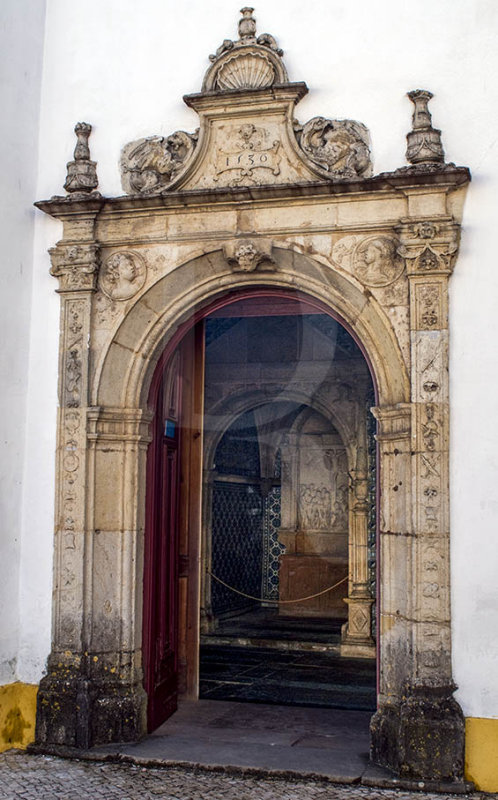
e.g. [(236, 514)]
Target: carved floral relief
[(73, 361)]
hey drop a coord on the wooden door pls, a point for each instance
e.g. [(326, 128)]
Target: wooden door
[(160, 629), (172, 531)]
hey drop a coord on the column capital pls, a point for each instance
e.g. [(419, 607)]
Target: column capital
[(429, 246), (76, 266), (394, 421)]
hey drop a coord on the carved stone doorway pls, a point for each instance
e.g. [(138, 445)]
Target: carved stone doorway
[(255, 199)]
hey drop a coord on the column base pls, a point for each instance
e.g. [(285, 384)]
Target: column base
[(354, 649), (422, 737), (356, 638), (74, 711)]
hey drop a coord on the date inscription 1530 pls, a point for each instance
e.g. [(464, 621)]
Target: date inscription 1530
[(248, 160)]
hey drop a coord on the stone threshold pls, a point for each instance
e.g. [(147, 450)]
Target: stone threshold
[(374, 777)]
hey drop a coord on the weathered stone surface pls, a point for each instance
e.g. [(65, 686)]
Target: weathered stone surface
[(150, 165), (79, 710), (250, 62), (421, 736)]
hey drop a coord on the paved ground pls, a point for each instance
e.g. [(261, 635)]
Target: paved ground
[(36, 777)]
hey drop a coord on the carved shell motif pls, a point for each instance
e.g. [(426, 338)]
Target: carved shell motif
[(245, 71)]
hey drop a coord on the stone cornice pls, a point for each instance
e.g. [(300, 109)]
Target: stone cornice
[(285, 91), (450, 178)]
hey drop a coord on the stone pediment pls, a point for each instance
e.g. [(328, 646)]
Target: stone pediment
[(248, 135)]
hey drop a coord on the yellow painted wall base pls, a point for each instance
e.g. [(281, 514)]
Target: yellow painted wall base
[(17, 715), (481, 753)]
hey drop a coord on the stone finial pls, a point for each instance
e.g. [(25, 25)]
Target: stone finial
[(82, 172), (247, 25), (424, 141)]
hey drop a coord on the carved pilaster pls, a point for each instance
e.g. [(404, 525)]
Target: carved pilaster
[(423, 735), (395, 533), (76, 266), (289, 512), (357, 640)]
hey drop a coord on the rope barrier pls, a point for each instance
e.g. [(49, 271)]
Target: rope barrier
[(280, 602)]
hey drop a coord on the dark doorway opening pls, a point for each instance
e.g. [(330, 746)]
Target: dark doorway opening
[(287, 391), (262, 411)]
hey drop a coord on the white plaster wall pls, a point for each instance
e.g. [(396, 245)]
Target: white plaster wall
[(124, 66), (21, 52)]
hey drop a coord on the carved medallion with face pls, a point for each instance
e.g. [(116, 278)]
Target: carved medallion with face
[(122, 275), (375, 261)]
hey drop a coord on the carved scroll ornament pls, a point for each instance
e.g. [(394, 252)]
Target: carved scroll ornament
[(150, 165), (340, 147)]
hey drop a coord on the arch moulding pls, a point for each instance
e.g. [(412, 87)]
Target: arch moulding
[(255, 200)]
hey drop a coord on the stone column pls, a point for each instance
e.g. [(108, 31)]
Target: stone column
[(395, 575), (428, 724), (357, 640), (118, 439), (290, 467)]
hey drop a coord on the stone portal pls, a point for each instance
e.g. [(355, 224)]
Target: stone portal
[(255, 200)]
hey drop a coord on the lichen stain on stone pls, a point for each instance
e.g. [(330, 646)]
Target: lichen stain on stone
[(15, 725)]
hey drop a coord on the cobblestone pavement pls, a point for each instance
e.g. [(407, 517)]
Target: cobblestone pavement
[(37, 777)]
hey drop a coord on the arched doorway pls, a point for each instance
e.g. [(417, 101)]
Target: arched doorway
[(254, 199), (279, 364), (93, 691)]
